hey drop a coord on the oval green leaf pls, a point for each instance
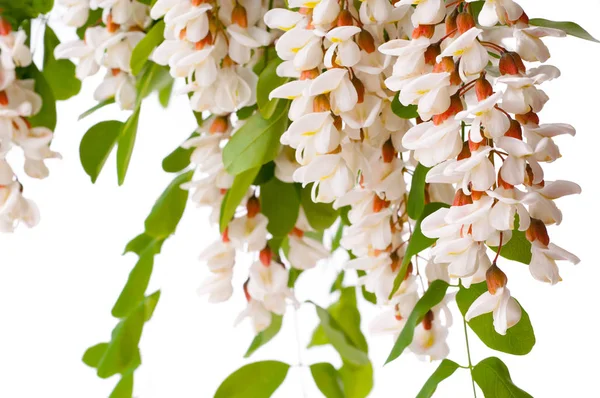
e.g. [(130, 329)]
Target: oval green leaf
[(405, 112), (320, 215), (256, 380), (493, 377), (570, 28), (416, 197), (280, 202), (141, 52), (266, 335), (267, 82), (327, 379), (234, 196), (97, 144), (445, 370)]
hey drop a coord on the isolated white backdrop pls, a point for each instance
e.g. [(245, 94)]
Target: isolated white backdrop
[(59, 281)]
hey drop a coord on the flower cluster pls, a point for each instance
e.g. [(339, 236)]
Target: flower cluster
[(107, 44), (18, 103)]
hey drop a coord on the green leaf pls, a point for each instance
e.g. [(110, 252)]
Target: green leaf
[(416, 197), (168, 209), (357, 380), (60, 74), (46, 117), (94, 354), (266, 173), (519, 339), (370, 297), (165, 93), (493, 377), (432, 297), (255, 380), (255, 143), (179, 159), (294, 275), (405, 112), (518, 248), (97, 144), (143, 242), (327, 379), (246, 112), (154, 78), (234, 196), (96, 107), (445, 370), (418, 242), (337, 238), (141, 52), (126, 143), (266, 335), (42, 6), (134, 291), (320, 215), (267, 82), (570, 28), (123, 389), (280, 203)]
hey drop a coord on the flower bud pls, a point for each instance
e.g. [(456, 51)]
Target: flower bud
[(379, 204), (447, 65), (207, 40), (495, 279), (265, 256), (537, 231), (321, 103), (515, 130), (388, 152), (345, 18), (360, 89), (110, 25), (253, 206), (3, 98), (196, 3), (473, 146), (456, 106), (297, 232), (451, 26), (461, 199), (239, 16), (409, 270), (503, 183), (338, 123), (431, 53), (428, 320), (465, 152), (476, 195), (219, 125), (527, 118), (5, 27), (397, 315), (227, 62), (483, 88), (464, 22), (225, 236), (423, 31), (511, 64), (528, 176), (309, 74), (365, 41), (396, 261)]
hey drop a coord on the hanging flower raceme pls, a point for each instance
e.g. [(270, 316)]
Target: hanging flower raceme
[(18, 103)]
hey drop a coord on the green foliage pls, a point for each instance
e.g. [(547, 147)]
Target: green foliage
[(266, 335), (432, 297), (519, 339), (16, 11), (153, 78), (493, 377), (267, 82), (266, 173), (518, 248), (445, 370), (94, 354), (357, 380), (124, 389), (328, 380), (96, 107), (126, 143), (256, 380), (405, 112), (320, 215), (165, 93), (97, 144), (256, 142), (280, 203), (141, 52), (570, 28), (179, 158), (136, 286), (46, 117), (418, 242), (60, 74), (416, 197), (142, 242), (235, 194)]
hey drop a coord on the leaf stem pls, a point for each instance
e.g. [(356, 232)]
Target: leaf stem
[(469, 356)]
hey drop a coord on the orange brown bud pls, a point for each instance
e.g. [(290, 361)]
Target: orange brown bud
[(537, 231), (246, 292), (476, 195), (464, 22), (206, 40), (365, 41), (431, 54), (447, 65), (515, 130), (527, 118), (461, 199), (451, 26), (379, 204), (227, 62), (225, 236), (465, 152), (423, 31), (297, 232), (309, 74), (456, 106), (388, 152), (473, 146), (503, 183), (265, 256), (5, 27), (321, 103), (110, 25), (345, 18), (3, 98), (239, 16), (219, 125), (428, 320), (253, 206), (360, 89), (511, 64), (337, 122), (409, 270), (483, 88), (495, 279)]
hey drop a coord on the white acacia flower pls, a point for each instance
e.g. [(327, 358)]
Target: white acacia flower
[(249, 233), (217, 286), (331, 176), (311, 135), (519, 155), (434, 144), (475, 172), (84, 51), (268, 284), (473, 56), (346, 51), (14, 52), (16, 209), (218, 256), (342, 93), (373, 231), (76, 13), (548, 152), (543, 261), (300, 46), (521, 96), (486, 115), (505, 309), (305, 253), (255, 310), (541, 200), (431, 342), (509, 205), (431, 92), (529, 45), (495, 11), (120, 86), (427, 12), (282, 19)]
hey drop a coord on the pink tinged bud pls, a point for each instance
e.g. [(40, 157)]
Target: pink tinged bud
[(239, 16), (483, 89), (451, 26), (428, 320), (265, 256), (447, 65), (345, 18), (527, 118), (321, 103), (3, 98), (253, 207), (219, 125), (388, 152), (465, 152), (511, 64), (461, 199), (464, 22), (366, 42), (455, 107), (537, 232), (495, 279), (431, 54), (515, 130), (423, 31)]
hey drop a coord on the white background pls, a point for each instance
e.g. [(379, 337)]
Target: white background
[(59, 281)]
